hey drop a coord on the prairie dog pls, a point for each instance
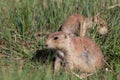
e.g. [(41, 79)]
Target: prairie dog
[(75, 52), (78, 25)]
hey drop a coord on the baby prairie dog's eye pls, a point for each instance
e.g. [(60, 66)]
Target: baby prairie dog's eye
[(55, 38)]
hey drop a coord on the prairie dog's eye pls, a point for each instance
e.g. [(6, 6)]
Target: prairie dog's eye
[(55, 38)]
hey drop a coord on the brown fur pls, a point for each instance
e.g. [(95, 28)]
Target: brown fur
[(75, 52), (78, 25)]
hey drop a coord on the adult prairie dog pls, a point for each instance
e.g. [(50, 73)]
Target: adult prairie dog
[(78, 25), (75, 52)]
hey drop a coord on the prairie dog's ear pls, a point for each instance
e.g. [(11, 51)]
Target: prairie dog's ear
[(65, 35)]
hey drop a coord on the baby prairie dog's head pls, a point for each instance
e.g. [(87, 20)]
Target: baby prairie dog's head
[(102, 25), (57, 40)]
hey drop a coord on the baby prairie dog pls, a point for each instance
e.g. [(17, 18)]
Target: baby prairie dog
[(78, 25), (75, 52)]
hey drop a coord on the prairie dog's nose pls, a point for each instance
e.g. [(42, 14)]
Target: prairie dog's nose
[(46, 45)]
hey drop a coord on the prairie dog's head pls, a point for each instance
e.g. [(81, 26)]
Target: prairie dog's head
[(57, 40), (102, 25)]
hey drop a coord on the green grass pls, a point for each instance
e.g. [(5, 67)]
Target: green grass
[(20, 20)]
